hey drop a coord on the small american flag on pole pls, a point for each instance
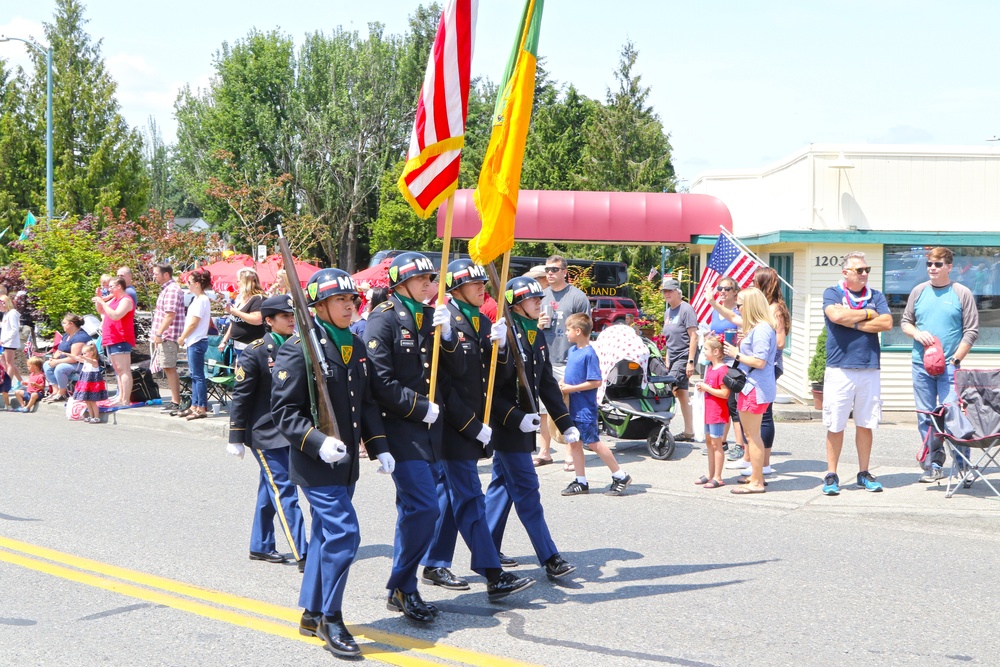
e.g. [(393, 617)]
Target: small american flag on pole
[(431, 172), (728, 259)]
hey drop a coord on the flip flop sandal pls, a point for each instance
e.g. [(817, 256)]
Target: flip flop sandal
[(746, 480), (684, 437), (197, 415), (746, 491), (712, 484), (702, 480), (185, 413), (539, 461)]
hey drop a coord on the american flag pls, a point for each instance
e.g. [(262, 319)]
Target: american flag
[(727, 259), (431, 172)]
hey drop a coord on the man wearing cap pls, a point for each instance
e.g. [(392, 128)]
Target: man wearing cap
[(515, 480), (946, 310), (327, 467), (251, 425), (399, 338), (467, 440), (680, 327), (559, 301)]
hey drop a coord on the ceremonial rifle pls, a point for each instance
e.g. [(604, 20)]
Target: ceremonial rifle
[(319, 395), (512, 342)]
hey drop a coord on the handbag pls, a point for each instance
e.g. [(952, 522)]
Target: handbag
[(735, 378)]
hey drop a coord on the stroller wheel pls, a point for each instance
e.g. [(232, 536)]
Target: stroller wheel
[(660, 443)]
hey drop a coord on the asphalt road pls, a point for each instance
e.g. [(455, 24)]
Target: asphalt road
[(126, 544)]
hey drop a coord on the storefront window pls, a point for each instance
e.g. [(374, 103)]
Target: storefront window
[(976, 267)]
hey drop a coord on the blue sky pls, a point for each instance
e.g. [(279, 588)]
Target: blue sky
[(737, 84)]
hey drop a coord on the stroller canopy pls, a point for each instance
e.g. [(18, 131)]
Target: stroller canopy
[(619, 342)]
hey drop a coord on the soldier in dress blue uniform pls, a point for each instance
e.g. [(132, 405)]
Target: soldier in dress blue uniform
[(251, 425), (467, 439), (327, 468), (399, 342), (515, 481)]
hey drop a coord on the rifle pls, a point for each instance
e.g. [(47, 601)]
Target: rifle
[(319, 395), (513, 344)]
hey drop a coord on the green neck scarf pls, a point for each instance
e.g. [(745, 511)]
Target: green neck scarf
[(526, 323), (469, 311), (342, 338), (412, 305), (279, 339)]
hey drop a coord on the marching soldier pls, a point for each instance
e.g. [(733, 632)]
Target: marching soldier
[(467, 439), (399, 341), (327, 468), (251, 425), (515, 481)]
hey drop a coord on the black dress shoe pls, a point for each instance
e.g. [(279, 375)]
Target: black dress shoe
[(270, 557), (558, 567), (430, 607), (445, 578), (411, 605), (507, 584), (302, 565), (507, 561), (308, 623), (332, 630)]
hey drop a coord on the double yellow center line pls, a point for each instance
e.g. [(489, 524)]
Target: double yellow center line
[(283, 622)]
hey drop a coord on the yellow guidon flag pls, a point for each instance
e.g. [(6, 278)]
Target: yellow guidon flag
[(500, 178)]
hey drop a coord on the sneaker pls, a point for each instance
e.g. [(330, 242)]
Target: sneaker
[(738, 464), (768, 470), (831, 484), (168, 406), (575, 488), (22, 409), (867, 480), (935, 474), (735, 453), (618, 486)]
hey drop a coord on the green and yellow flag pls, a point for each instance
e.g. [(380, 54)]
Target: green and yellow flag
[(500, 178)]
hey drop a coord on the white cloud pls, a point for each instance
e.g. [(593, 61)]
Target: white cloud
[(16, 53)]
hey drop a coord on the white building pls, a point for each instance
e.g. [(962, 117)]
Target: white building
[(893, 203)]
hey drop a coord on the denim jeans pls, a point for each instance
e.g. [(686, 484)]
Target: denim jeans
[(929, 392), (196, 367), (59, 376)]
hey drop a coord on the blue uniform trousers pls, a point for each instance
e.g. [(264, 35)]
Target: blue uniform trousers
[(333, 546), (276, 495), (416, 516), (515, 482), (469, 507), (442, 548)]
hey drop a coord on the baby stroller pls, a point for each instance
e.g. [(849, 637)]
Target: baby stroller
[(636, 400)]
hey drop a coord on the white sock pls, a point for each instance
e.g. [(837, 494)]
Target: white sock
[(619, 475), (582, 480)]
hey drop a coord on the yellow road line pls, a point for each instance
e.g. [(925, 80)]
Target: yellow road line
[(258, 607), (190, 606)]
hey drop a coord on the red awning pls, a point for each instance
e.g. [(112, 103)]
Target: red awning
[(652, 218)]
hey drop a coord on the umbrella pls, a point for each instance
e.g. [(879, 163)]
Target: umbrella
[(224, 272)]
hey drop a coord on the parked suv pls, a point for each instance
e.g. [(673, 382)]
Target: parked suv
[(607, 310)]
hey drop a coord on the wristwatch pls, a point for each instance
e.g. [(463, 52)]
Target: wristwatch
[(956, 362)]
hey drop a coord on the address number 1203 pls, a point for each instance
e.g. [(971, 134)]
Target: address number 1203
[(829, 260)]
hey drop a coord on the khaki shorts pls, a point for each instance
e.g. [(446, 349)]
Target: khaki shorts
[(166, 352), (851, 389)]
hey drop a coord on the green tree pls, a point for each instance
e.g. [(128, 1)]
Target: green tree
[(22, 183), (397, 225), (97, 156)]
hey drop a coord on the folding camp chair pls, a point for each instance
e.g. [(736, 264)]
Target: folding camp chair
[(972, 424), (220, 370)]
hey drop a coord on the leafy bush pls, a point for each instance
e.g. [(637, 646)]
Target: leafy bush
[(817, 365)]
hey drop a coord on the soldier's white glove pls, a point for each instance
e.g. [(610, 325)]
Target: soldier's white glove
[(531, 423), (332, 450), (571, 435), (485, 435), (386, 463), (442, 318), (236, 450), (432, 413), (498, 334)]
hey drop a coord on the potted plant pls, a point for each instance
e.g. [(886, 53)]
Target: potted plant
[(817, 368)]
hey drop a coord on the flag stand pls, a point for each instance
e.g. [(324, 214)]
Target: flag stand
[(436, 354)]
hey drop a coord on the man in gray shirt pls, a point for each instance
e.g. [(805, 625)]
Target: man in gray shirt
[(559, 301)]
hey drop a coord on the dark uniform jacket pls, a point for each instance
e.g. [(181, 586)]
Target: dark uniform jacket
[(400, 351), (357, 415), (250, 421), (509, 408), (465, 404)]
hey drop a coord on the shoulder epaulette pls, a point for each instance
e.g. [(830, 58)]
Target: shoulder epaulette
[(257, 343), (385, 305)]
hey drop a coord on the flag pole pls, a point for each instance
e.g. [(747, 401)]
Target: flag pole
[(436, 354), (750, 252), (498, 287)]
